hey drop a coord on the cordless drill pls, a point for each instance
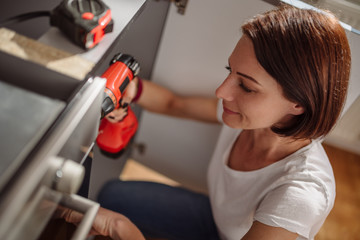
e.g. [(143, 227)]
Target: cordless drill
[(114, 137)]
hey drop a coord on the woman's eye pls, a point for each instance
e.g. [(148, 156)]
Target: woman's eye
[(241, 84), (228, 68), (246, 89)]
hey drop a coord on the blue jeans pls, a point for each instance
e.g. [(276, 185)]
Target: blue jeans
[(161, 211)]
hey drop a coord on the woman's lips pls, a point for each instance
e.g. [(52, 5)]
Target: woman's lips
[(228, 111)]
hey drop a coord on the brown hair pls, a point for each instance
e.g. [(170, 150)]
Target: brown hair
[(308, 54)]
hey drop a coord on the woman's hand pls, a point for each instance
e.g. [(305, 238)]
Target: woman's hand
[(118, 114), (130, 91), (106, 223)]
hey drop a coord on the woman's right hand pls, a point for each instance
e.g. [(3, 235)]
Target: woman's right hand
[(129, 94)]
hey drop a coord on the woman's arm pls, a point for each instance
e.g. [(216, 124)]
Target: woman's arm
[(158, 99), (260, 231)]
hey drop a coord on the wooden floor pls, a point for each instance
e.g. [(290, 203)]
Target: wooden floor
[(344, 220)]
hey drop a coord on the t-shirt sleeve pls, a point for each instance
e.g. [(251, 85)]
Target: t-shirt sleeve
[(296, 207)]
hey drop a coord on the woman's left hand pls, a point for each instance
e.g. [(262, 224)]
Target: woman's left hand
[(106, 223)]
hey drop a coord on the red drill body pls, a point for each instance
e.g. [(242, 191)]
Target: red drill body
[(118, 76), (114, 137)]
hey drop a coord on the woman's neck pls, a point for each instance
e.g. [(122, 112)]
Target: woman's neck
[(271, 146), (266, 139)]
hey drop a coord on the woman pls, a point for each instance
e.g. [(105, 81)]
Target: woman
[(269, 177)]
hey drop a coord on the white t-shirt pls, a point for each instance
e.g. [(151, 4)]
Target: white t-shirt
[(295, 193)]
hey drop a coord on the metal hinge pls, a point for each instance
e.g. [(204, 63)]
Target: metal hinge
[(181, 5)]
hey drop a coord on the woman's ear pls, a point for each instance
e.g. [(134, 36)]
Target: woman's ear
[(297, 109)]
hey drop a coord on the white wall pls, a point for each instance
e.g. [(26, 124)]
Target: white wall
[(191, 60)]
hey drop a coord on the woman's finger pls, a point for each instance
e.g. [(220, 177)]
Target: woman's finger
[(116, 115), (130, 92)]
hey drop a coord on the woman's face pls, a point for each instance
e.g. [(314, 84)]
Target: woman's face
[(252, 99)]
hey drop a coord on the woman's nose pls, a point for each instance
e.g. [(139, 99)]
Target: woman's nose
[(225, 90)]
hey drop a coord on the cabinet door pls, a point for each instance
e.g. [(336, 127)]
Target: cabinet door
[(191, 60)]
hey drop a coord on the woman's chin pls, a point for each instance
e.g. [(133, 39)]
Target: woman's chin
[(232, 123)]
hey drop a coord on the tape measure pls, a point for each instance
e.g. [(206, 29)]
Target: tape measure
[(85, 22)]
